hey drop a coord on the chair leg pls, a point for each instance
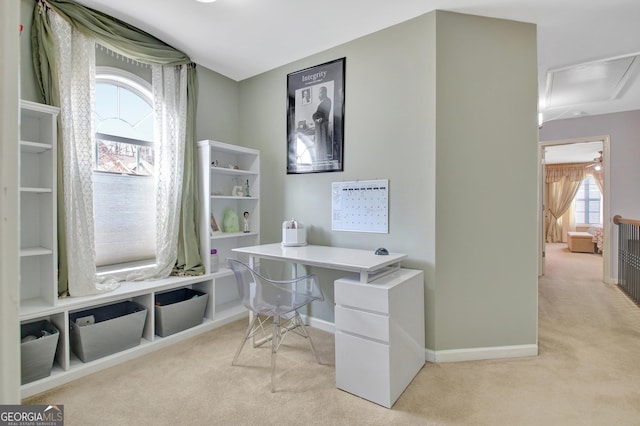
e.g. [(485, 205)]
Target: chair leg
[(276, 338), (307, 336), (247, 336), (260, 326), (275, 342)]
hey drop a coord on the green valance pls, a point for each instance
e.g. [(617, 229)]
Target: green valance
[(136, 44)]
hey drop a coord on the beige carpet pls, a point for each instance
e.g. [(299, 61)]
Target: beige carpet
[(587, 373)]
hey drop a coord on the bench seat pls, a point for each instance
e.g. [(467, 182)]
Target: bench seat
[(581, 242)]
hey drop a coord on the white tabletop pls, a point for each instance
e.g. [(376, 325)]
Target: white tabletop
[(365, 262)]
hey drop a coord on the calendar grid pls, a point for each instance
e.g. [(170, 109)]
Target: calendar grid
[(360, 206)]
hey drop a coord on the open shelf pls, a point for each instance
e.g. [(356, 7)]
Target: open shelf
[(35, 307), (228, 171), (34, 147), (38, 253), (36, 190), (35, 251), (237, 166), (143, 293), (223, 235), (231, 197)]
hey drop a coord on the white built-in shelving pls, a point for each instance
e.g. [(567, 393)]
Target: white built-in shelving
[(38, 240), (222, 167), (38, 265)]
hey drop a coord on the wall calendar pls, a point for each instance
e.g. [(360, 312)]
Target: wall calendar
[(361, 206)]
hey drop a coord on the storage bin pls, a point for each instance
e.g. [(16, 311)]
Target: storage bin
[(106, 329), (179, 310), (37, 352)]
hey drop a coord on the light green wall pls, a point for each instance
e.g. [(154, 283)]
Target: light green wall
[(27, 76), (389, 129), (486, 277), (444, 106), (217, 116), (9, 205)]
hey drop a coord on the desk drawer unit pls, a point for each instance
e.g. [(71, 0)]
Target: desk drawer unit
[(379, 335), (362, 323)]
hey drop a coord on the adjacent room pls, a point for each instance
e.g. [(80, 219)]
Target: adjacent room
[(214, 211), (574, 195)]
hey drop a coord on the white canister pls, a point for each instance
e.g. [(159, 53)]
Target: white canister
[(293, 233)]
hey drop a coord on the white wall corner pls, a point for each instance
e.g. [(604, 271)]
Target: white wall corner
[(429, 355)]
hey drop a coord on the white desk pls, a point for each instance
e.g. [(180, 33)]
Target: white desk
[(367, 264), (379, 316)]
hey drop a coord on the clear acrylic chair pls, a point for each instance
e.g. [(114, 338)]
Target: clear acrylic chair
[(267, 298)]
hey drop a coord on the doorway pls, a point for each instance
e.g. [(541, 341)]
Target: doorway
[(577, 150)]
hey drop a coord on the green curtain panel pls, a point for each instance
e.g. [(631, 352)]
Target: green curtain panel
[(189, 262), (131, 42)]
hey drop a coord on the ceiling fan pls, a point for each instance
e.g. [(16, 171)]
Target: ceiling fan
[(597, 162)]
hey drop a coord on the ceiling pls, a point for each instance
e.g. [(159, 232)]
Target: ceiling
[(583, 152), (243, 38)]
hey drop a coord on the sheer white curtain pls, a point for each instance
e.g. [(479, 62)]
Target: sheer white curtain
[(170, 120), (75, 59)]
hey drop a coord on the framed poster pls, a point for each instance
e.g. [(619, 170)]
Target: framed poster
[(315, 118)]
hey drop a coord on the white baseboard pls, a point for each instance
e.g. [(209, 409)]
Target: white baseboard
[(476, 354), (453, 355), (323, 325)]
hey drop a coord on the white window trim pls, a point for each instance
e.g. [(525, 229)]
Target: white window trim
[(126, 79), (142, 88)]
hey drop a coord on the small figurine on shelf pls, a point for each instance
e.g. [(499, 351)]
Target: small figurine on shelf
[(246, 223), (246, 189)]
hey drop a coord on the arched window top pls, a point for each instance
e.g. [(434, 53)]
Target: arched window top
[(123, 105), (123, 123), (118, 76)]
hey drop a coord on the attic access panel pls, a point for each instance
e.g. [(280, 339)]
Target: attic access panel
[(589, 82)]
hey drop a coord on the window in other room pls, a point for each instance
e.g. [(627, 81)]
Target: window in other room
[(588, 203), (124, 195)]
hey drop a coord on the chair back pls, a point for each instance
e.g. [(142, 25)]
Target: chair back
[(272, 297)]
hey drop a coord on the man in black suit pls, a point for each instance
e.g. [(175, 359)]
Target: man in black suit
[(321, 120)]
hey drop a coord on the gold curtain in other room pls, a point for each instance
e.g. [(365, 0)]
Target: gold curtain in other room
[(562, 183)]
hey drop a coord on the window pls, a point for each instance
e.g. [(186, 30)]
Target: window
[(588, 203), (124, 194)]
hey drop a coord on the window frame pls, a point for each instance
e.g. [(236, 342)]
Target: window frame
[(585, 201), (128, 81), (142, 88)]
